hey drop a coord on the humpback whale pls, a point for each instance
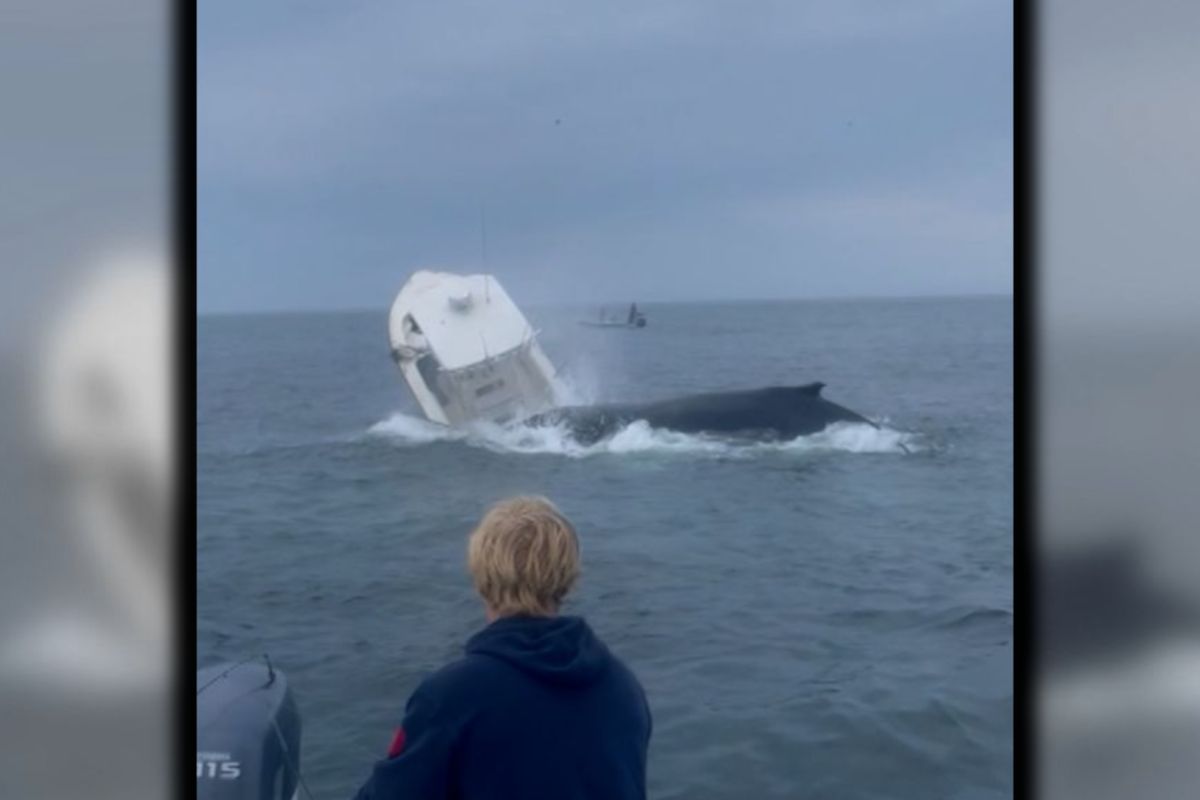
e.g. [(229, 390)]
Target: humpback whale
[(775, 412)]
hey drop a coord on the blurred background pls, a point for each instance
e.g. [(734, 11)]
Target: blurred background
[(86, 407), (86, 485), (1118, 557)]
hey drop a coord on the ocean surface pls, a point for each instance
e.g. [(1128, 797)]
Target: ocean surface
[(829, 617)]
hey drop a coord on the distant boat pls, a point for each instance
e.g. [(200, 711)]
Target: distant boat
[(634, 319)]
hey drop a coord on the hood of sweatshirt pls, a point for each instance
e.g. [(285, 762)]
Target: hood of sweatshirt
[(557, 650)]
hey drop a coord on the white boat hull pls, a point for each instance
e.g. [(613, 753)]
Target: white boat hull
[(467, 352)]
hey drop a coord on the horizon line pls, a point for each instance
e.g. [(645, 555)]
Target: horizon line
[(647, 303)]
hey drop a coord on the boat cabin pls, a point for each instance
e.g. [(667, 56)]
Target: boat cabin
[(467, 352)]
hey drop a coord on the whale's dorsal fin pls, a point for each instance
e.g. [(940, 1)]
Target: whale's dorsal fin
[(813, 389)]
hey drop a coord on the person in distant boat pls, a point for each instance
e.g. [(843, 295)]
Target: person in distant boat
[(538, 707), (633, 313)]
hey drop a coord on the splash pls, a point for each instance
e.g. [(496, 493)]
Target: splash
[(410, 430), (856, 438), (637, 438), (580, 386)]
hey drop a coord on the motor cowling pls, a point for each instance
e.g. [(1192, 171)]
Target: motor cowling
[(247, 733)]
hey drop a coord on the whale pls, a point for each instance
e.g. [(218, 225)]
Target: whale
[(771, 413)]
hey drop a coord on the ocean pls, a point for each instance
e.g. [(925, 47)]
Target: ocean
[(828, 617)]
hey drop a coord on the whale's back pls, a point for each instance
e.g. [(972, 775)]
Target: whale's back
[(771, 412)]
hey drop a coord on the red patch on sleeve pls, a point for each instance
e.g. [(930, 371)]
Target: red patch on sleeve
[(397, 744)]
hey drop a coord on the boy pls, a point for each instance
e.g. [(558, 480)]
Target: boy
[(538, 707)]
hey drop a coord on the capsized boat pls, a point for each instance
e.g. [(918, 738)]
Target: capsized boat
[(467, 352)]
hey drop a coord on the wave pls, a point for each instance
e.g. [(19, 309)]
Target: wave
[(639, 437)]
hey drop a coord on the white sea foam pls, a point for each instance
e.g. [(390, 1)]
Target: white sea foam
[(639, 437)]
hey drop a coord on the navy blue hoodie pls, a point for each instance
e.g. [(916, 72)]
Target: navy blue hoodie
[(538, 708)]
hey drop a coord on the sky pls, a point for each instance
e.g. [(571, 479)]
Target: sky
[(676, 150)]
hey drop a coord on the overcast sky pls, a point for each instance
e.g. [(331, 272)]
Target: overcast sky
[(619, 150)]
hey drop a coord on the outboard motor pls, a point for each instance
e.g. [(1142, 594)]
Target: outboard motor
[(247, 733)]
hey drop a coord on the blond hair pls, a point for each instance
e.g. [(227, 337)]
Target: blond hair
[(523, 557)]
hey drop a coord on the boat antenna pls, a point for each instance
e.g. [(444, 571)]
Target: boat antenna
[(225, 673), (487, 294), (482, 234)]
